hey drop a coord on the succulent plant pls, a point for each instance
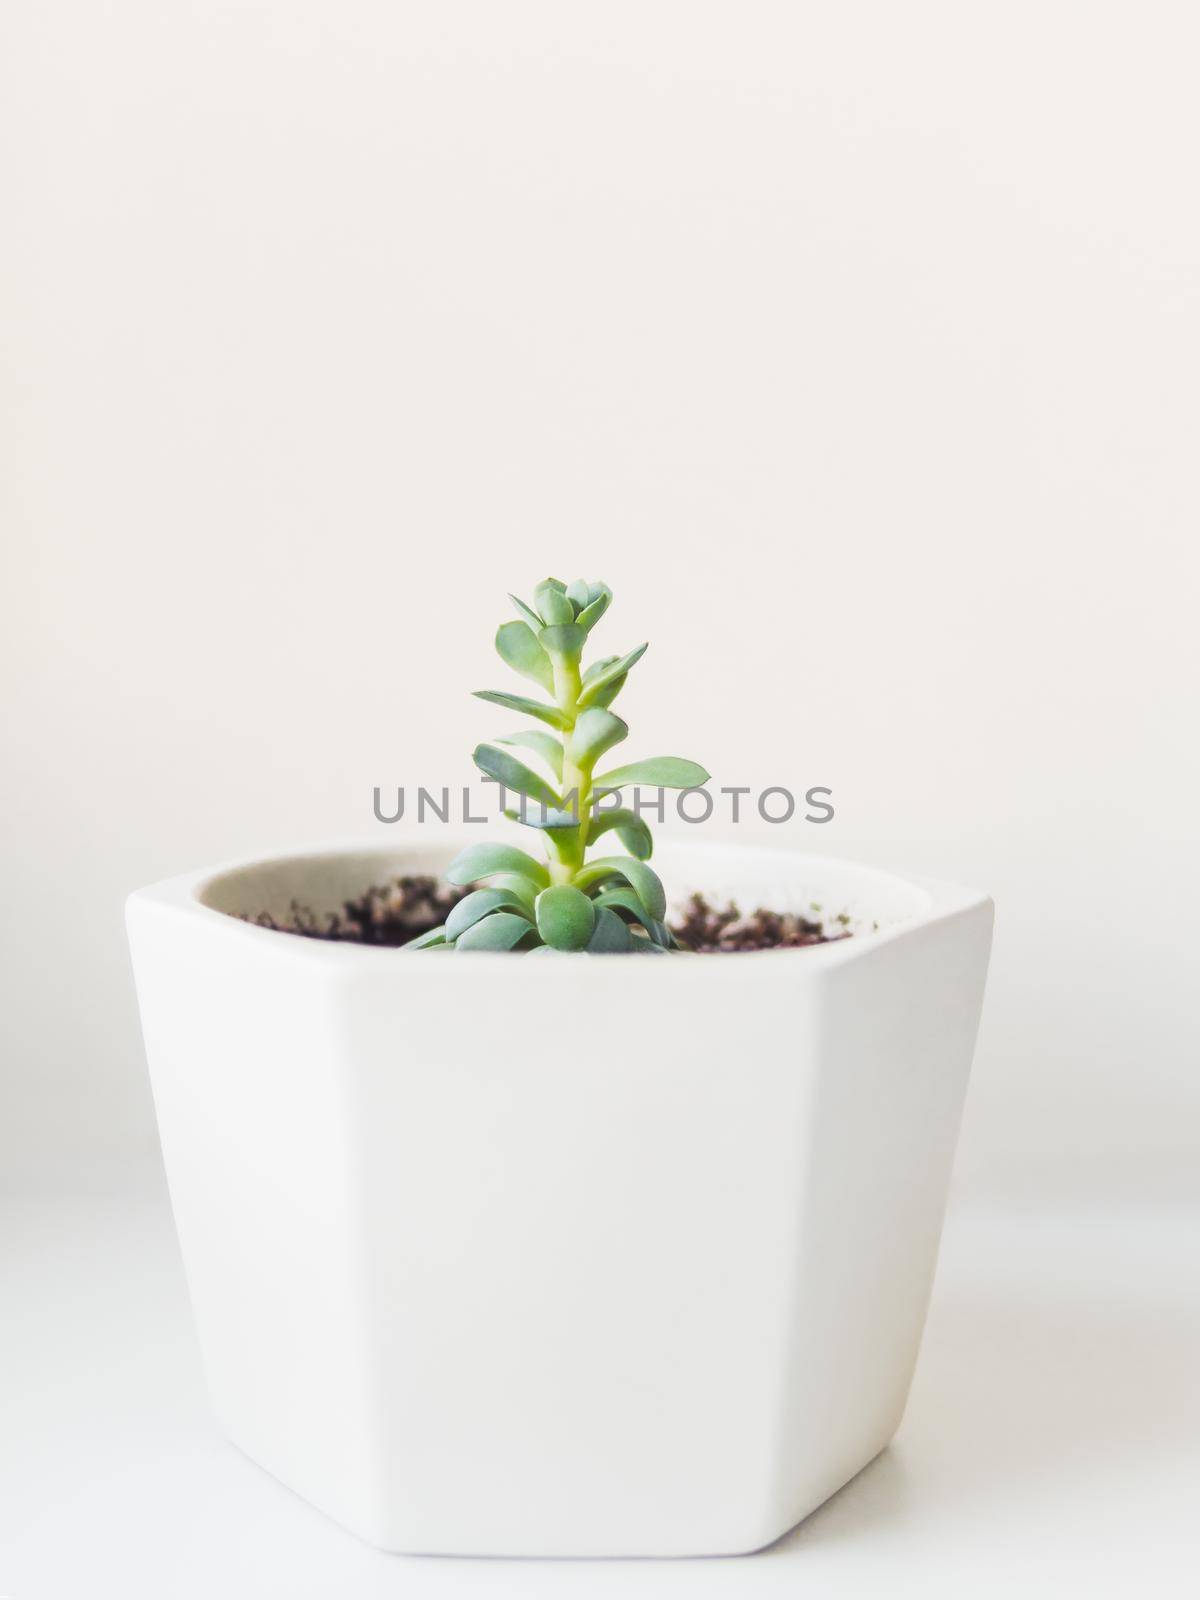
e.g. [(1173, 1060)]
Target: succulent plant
[(611, 904)]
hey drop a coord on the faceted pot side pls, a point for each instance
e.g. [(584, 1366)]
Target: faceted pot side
[(596, 1256)]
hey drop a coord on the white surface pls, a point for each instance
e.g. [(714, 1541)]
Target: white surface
[(865, 335), (482, 1286), (1051, 1445)]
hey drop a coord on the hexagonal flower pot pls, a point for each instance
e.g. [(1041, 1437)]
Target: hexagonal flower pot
[(593, 1256)]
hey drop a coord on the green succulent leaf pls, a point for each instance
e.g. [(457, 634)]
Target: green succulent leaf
[(426, 941), (482, 860), (609, 692), (615, 669), (642, 879), (606, 694), (544, 744), (502, 930), (663, 772), (527, 708), (518, 646), (630, 829), (646, 947), (578, 593), (520, 887), (515, 775), (595, 608), (552, 603), (596, 668), (565, 917), (530, 615), (610, 936), (548, 821), (620, 898), (557, 583), (564, 639), (478, 904), (595, 732)]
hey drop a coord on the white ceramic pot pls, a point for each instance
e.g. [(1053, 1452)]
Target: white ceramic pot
[(590, 1256)]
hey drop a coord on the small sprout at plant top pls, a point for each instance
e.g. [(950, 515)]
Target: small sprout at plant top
[(613, 903)]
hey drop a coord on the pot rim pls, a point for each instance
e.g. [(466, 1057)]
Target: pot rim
[(183, 895)]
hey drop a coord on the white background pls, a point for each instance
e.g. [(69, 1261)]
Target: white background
[(856, 346)]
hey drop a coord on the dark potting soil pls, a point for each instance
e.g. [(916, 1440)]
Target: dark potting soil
[(394, 913), (709, 931), (388, 914)]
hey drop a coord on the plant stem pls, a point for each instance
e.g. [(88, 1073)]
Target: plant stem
[(575, 779)]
